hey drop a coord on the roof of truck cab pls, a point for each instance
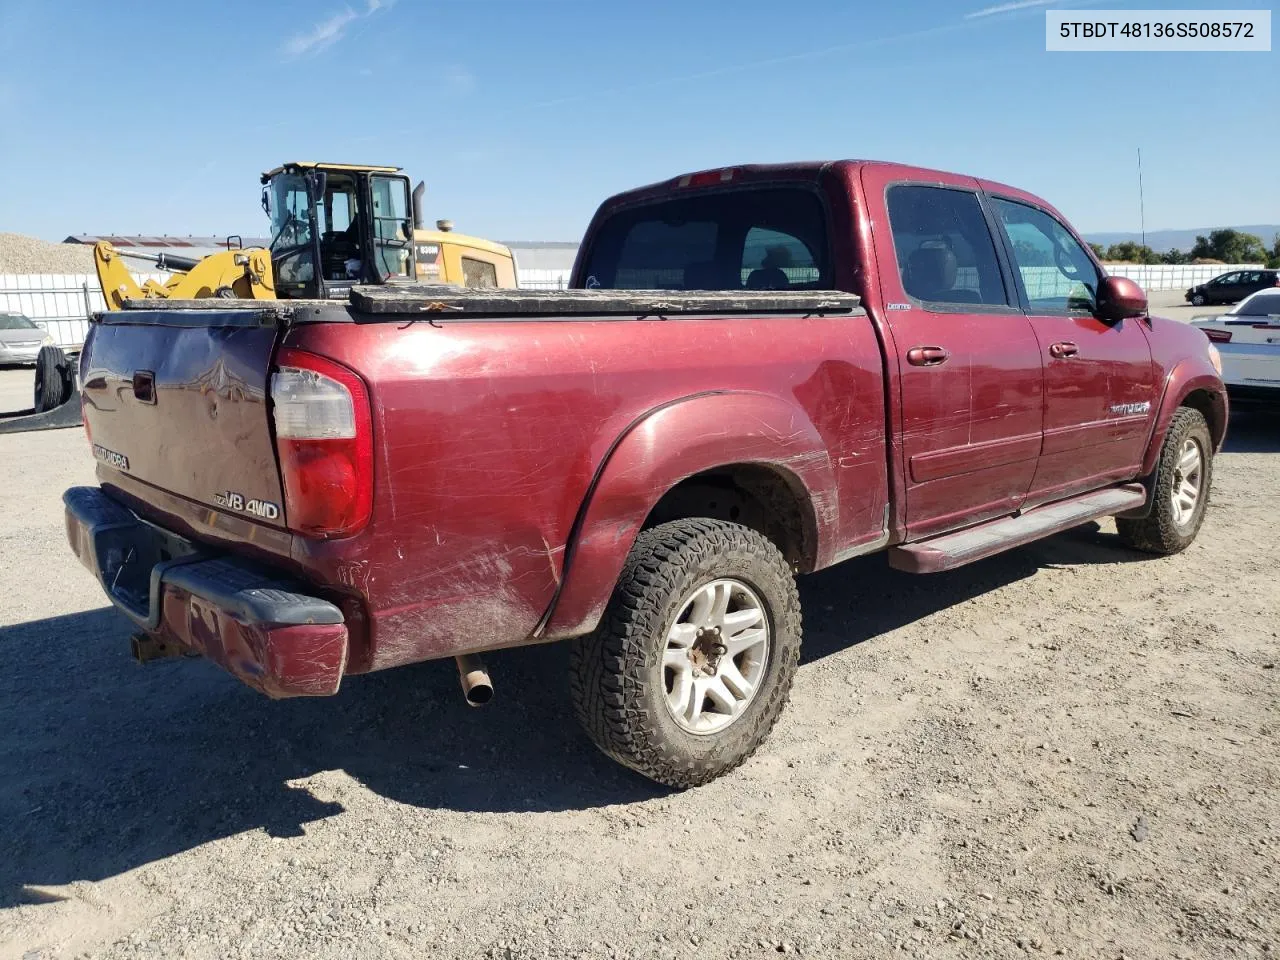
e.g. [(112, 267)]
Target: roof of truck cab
[(313, 164), (808, 170)]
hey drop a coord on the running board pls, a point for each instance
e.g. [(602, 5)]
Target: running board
[(953, 550)]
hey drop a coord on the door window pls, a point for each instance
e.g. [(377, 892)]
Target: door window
[(392, 228), (944, 248), (1227, 279), (1057, 274)]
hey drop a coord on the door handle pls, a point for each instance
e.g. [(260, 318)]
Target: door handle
[(1063, 349), (927, 356)]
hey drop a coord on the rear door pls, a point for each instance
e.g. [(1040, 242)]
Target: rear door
[(1099, 384), (177, 402), (970, 377)]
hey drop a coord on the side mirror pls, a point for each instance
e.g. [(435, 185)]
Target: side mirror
[(319, 180), (1120, 298)]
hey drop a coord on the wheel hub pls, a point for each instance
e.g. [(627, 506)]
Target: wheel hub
[(1188, 478), (715, 655), (706, 651)]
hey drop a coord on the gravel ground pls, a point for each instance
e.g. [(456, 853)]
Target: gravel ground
[(23, 254), (1067, 750), (17, 389)]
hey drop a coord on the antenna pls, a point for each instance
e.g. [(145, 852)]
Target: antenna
[(1142, 208)]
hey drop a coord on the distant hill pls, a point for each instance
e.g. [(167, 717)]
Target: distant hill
[(1162, 240)]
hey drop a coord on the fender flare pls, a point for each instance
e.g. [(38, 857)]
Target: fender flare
[(1183, 380), (656, 451)]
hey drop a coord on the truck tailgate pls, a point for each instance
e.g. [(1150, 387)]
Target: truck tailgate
[(179, 401)]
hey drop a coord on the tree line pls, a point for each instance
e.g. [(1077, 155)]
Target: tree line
[(1225, 246)]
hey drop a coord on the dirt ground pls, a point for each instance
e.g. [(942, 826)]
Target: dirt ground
[(1069, 750)]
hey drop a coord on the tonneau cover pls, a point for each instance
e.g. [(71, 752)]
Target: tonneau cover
[(444, 301), (418, 298)]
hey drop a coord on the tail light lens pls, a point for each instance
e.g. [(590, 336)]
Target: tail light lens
[(324, 438), (1218, 336)]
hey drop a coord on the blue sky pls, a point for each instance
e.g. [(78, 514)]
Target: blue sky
[(522, 115)]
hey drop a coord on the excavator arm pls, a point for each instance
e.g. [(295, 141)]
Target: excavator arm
[(245, 274)]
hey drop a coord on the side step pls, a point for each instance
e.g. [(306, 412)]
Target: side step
[(953, 550)]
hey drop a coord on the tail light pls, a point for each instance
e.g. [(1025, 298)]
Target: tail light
[(1218, 336), (324, 438)]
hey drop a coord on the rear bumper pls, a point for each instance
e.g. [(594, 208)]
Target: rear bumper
[(256, 624)]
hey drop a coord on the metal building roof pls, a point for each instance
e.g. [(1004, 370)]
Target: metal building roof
[(188, 246)]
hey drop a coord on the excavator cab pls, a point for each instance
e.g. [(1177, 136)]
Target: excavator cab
[(336, 225)]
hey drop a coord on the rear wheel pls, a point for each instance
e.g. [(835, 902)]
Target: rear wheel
[(1180, 492), (51, 389), (693, 660)]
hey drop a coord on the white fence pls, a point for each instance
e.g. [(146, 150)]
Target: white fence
[(61, 303), (1174, 276), (542, 278)]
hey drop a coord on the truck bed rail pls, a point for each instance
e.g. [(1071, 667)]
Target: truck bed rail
[(444, 302)]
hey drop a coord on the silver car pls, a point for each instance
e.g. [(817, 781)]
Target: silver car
[(20, 339)]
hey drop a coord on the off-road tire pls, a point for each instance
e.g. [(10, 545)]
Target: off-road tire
[(1159, 532), (51, 390), (616, 673)]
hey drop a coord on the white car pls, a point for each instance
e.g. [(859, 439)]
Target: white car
[(1248, 337)]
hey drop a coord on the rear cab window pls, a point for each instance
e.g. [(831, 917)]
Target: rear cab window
[(761, 238)]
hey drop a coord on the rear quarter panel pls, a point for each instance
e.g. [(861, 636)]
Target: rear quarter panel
[(488, 436)]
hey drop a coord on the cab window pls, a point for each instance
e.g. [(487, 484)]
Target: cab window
[(766, 238), (945, 252), (1056, 272)]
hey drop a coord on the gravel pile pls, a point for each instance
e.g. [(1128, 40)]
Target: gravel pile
[(23, 254)]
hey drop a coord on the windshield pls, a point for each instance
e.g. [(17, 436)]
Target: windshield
[(288, 206), (16, 321), (758, 239)]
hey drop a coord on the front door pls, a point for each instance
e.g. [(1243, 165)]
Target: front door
[(1225, 289), (1099, 384), (969, 362)]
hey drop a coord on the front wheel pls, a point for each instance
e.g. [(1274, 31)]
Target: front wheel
[(1198, 300), (1180, 491), (692, 663)]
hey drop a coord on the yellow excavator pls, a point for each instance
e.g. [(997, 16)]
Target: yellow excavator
[(333, 225)]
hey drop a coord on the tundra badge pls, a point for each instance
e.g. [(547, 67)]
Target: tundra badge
[(110, 457), (1130, 409), (258, 508)]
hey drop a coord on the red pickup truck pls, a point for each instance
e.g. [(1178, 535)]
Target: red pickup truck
[(761, 371)]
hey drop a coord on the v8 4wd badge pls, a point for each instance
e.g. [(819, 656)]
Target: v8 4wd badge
[(258, 508)]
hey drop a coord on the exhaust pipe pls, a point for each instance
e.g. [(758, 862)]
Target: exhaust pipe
[(474, 676), (146, 648), (419, 218)]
